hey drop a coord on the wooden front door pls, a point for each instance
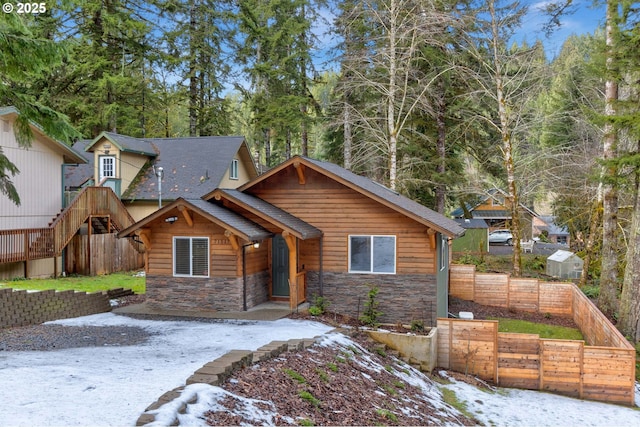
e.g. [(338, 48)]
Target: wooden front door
[(280, 267)]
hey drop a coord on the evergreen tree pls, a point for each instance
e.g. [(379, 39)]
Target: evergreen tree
[(26, 58)]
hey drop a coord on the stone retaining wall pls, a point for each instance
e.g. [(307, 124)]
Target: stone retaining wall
[(219, 370), (22, 308)]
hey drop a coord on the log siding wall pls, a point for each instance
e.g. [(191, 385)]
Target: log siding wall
[(223, 289), (339, 212)]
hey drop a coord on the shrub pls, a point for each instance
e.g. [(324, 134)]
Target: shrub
[(592, 292), (417, 326), (320, 306), (371, 314)]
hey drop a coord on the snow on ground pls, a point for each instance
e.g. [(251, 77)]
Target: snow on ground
[(111, 386)]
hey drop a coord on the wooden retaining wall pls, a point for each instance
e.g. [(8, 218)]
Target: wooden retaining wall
[(601, 369)]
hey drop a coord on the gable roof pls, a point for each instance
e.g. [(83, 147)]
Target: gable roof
[(493, 213), (473, 223), (125, 143), (219, 215), (372, 189), (193, 166), (77, 175), (552, 228), (69, 155), (271, 213)]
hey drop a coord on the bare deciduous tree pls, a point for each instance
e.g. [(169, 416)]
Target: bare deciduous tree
[(385, 64)]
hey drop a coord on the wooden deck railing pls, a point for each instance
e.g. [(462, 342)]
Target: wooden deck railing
[(38, 243)]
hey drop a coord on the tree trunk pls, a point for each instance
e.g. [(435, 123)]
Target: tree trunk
[(347, 135), (441, 147), (193, 80), (608, 299), (392, 135), (591, 238), (507, 146), (629, 320), (267, 147)]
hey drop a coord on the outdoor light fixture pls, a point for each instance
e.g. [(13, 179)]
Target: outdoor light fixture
[(256, 245), (171, 219)]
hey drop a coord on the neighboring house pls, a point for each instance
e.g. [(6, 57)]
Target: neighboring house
[(34, 234), (191, 167), (305, 228), (545, 225), (476, 236), (494, 208)]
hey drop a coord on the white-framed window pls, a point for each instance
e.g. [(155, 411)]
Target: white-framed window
[(444, 252), (107, 167), (372, 254), (233, 169), (191, 256)]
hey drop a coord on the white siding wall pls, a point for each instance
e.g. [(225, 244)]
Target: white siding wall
[(38, 183)]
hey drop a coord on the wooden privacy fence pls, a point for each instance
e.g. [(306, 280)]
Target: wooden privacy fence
[(108, 255), (602, 370)]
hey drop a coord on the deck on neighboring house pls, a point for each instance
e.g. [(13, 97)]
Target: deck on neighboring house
[(98, 205)]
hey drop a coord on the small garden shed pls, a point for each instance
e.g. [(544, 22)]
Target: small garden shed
[(475, 238), (565, 265)]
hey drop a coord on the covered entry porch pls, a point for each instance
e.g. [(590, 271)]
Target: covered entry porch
[(293, 241)]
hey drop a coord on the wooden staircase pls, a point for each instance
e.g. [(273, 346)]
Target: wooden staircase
[(97, 206)]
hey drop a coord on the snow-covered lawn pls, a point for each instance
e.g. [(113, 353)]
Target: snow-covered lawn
[(111, 386)]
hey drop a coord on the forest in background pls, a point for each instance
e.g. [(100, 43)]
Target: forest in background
[(429, 97)]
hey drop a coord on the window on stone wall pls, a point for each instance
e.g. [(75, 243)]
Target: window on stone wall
[(372, 254), (191, 256)]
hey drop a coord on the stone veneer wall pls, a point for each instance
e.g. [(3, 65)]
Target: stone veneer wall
[(211, 293), (257, 288), (22, 308), (402, 298)]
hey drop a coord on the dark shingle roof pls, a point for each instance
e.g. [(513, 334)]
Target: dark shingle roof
[(249, 228), (552, 228), (76, 176), (129, 143), (192, 167), (445, 224), (275, 214), (217, 214), (471, 223)]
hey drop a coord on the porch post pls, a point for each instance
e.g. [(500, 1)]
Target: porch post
[(293, 269)]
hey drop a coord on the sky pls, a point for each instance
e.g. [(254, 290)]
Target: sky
[(585, 19), (111, 386)]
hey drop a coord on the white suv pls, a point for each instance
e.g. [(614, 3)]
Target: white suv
[(501, 236)]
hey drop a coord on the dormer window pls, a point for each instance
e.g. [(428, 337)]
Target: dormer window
[(107, 167), (233, 169)]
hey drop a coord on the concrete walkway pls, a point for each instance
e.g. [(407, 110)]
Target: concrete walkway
[(267, 311)]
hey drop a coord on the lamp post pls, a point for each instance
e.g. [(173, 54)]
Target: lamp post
[(160, 175)]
